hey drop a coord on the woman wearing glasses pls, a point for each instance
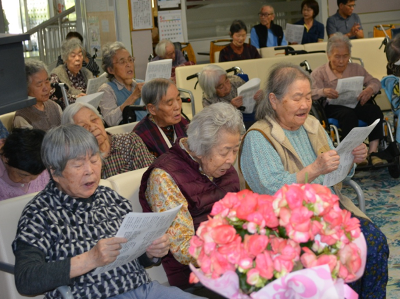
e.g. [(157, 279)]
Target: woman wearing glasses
[(121, 90), (313, 30)]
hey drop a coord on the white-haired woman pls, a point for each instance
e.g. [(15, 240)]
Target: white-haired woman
[(121, 90), (69, 228), (71, 72), (165, 49), (218, 86), (196, 172), (287, 145), (325, 79), (45, 114), (164, 124), (120, 152)]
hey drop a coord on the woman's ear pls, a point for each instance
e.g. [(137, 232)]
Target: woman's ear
[(55, 178), (151, 108), (110, 70), (273, 100)]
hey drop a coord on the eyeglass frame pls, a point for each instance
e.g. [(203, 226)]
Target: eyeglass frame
[(265, 14), (123, 62)]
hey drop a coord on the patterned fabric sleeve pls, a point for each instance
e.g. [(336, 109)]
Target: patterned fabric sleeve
[(140, 155), (163, 194)]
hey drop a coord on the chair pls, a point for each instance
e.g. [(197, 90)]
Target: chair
[(7, 120), (126, 128), (10, 212), (378, 32), (127, 185), (217, 45), (187, 48)]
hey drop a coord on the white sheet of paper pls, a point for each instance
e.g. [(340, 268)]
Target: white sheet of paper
[(141, 229), (92, 99), (344, 149), (94, 84), (159, 69), (294, 33), (247, 91), (348, 89)]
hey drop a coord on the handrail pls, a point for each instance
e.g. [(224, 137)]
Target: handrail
[(51, 21)]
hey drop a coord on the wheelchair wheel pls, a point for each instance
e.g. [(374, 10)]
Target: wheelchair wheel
[(394, 170)]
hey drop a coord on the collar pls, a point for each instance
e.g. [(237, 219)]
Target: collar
[(121, 86)]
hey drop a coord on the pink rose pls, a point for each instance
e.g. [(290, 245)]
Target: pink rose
[(350, 259), (219, 264), (253, 277), (232, 250), (223, 206), (193, 278), (248, 203), (255, 244), (264, 265), (266, 209), (294, 196), (223, 234)]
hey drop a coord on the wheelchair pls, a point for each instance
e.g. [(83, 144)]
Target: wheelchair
[(388, 149)]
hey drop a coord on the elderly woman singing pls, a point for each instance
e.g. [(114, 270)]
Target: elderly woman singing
[(120, 152), (69, 229), (287, 145), (196, 172), (164, 123)]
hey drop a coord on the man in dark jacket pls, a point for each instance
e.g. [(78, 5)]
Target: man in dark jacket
[(267, 34)]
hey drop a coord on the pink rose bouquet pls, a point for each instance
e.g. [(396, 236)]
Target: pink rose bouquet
[(260, 244)]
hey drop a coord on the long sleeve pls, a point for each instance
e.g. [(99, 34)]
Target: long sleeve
[(261, 165), (34, 276), (108, 105), (318, 78), (284, 41), (163, 194), (254, 38)]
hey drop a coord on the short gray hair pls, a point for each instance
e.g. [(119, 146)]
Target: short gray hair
[(33, 66), (337, 40), (393, 49), (70, 45), (205, 128), (209, 77), (109, 50), (154, 90), (279, 80), (267, 5), (64, 143), (160, 48), (70, 111)]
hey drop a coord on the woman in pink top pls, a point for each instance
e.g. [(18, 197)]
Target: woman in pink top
[(21, 167)]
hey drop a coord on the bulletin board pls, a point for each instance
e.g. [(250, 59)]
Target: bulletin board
[(100, 24), (140, 14)]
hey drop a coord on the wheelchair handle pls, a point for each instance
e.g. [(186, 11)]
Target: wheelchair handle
[(192, 76)]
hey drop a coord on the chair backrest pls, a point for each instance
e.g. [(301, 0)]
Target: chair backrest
[(216, 56), (217, 45), (126, 128), (127, 185), (187, 47), (10, 212), (378, 32), (315, 46), (7, 120)]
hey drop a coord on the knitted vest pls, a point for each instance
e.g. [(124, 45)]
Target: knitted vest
[(200, 193), (262, 33), (61, 72), (290, 159), (44, 120)]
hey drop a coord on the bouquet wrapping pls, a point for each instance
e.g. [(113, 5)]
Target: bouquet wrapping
[(296, 244)]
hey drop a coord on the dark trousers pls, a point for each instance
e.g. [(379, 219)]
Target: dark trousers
[(348, 117)]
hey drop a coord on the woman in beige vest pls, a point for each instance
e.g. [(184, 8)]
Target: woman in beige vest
[(287, 145)]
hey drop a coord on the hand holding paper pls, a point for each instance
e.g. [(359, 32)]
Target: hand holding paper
[(247, 91)]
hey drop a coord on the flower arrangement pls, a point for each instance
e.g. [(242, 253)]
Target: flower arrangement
[(253, 240)]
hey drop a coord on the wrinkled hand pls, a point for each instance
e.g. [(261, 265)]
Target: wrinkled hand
[(330, 93), (237, 102), (137, 93), (365, 95), (258, 95), (360, 153), (81, 95), (159, 247), (327, 162), (106, 251)]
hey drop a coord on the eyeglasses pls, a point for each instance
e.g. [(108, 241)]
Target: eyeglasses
[(351, 6), (124, 61), (265, 14)]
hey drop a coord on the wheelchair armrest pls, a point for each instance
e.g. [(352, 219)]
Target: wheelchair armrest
[(6, 267), (359, 192), (128, 114)]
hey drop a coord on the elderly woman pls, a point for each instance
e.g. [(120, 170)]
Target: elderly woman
[(164, 124), (393, 56), (45, 114), (238, 49), (313, 30), (165, 49), (196, 172), (217, 87), (120, 152), (69, 228), (287, 145), (121, 90), (71, 72), (21, 168), (325, 79)]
